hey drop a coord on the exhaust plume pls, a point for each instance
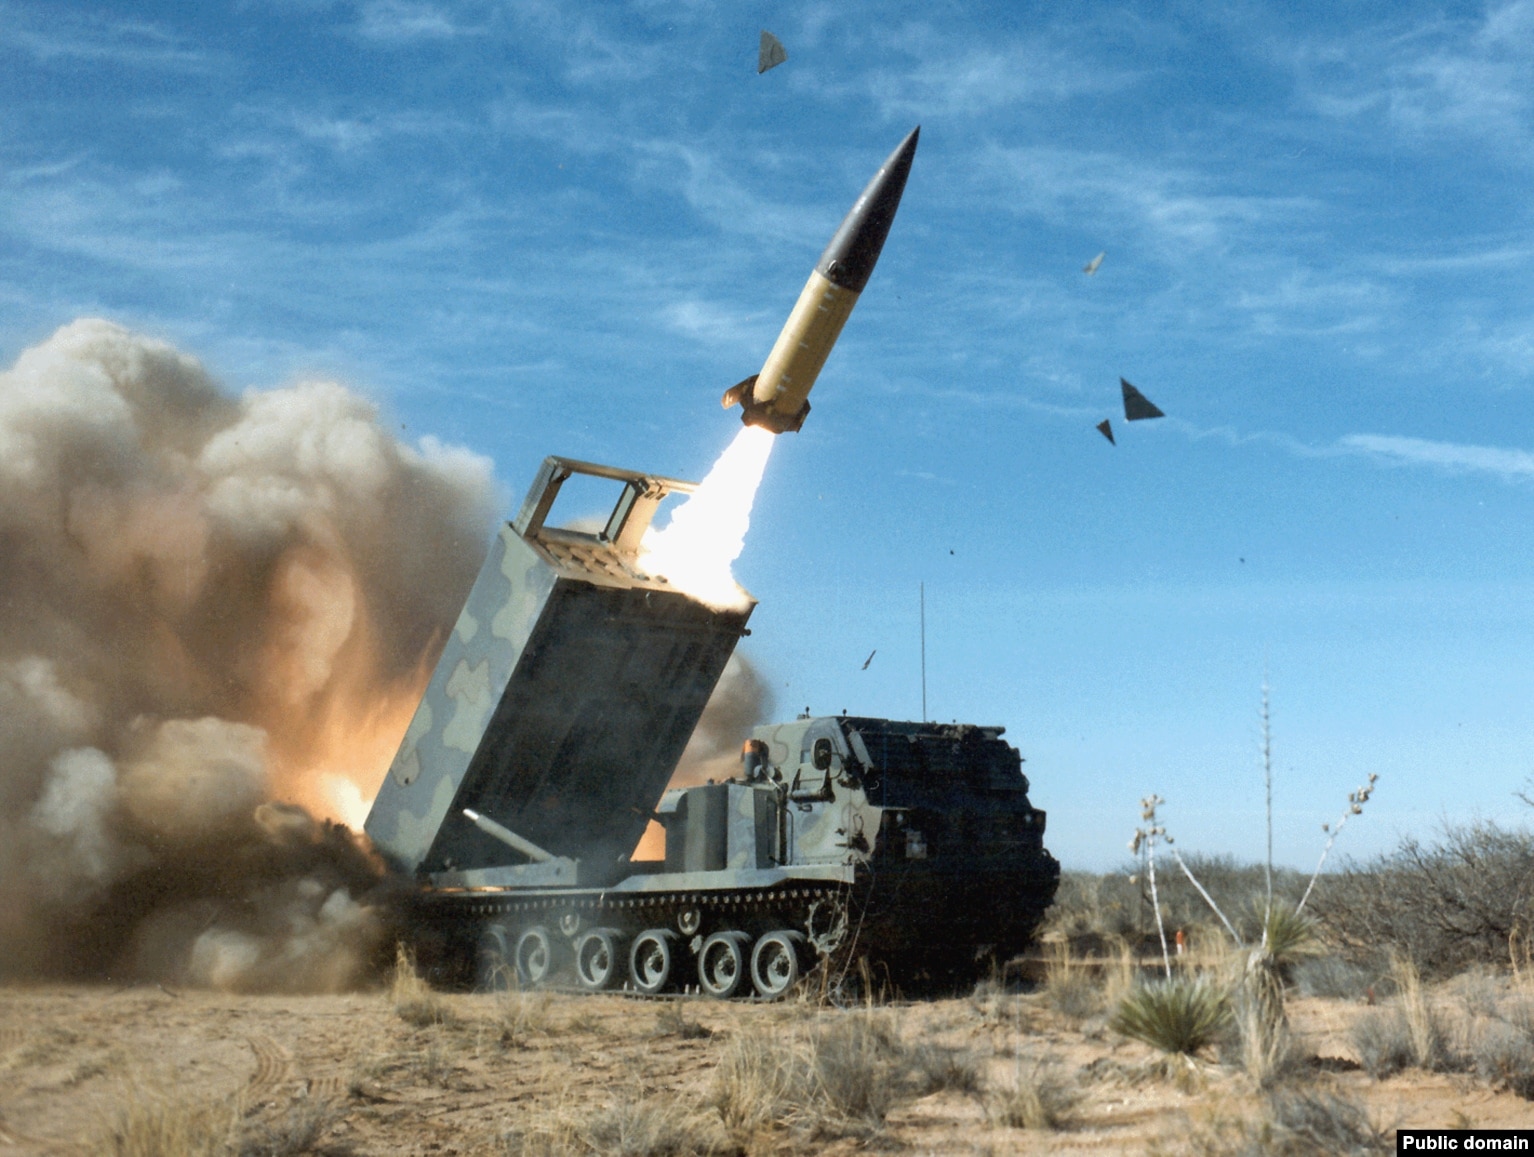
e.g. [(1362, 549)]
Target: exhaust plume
[(216, 617), (707, 532)]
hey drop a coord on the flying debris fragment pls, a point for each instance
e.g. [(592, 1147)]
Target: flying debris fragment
[(777, 398), (1137, 405), (1091, 266), (1105, 428), (870, 658), (770, 54)]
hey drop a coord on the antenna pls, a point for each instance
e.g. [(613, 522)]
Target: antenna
[(923, 590)]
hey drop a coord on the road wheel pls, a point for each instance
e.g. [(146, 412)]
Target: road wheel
[(536, 957), (775, 963), (651, 959), (598, 963), (494, 970), (722, 964)]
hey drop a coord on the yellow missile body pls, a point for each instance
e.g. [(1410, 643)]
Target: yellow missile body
[(777, 398)]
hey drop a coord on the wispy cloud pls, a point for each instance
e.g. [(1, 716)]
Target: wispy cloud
[(59, 37), (1309, 303), (1454, 457), (713, 324), (1174, 206), (394, 22), (1442, 80), (712, 189), (921, 70)]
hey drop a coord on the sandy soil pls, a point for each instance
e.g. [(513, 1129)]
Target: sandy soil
[(72, 1059)]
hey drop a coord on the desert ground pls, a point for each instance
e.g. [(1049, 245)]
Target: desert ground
[(404, 1070)]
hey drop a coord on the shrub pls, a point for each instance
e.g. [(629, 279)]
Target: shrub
[(1335, 978), (1180, 1015), (1503, 1056), (1445, 907), (1307, 1121), (296, 1131), (1091, 905), (1298, 1124), (1070, 987), (935, 1068), (1383, 1042), (1040, 1096)]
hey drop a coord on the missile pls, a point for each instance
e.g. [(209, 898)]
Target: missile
[(508, 837), (777, 398)]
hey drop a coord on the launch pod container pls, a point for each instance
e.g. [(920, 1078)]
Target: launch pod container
[(543, 747)]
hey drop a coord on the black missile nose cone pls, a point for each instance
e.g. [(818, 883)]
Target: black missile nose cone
[(854, 250)]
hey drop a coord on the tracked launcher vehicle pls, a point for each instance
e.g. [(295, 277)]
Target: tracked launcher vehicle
[(542, 749)]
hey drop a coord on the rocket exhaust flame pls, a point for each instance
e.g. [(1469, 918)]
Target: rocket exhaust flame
[(707, 532)]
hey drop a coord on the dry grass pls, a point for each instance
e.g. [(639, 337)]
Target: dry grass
[(519, 1016), (300, 1129), (1267, 1050), (414, 1001), (1422, 1025), (673, 1021), (150, 1123), (632, 1126), (1298, 1123), (1407, 1034), (1073, 988), (1040, 1095), (837, 1079)]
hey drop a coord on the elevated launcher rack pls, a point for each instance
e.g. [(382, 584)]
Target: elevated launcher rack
[(561, 704)]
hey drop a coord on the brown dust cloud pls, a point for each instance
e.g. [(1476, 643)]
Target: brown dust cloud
[(217, 614)]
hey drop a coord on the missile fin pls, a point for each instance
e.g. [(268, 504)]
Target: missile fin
[(1105, 428), (770, 53), (1137, 405), (737, 393)]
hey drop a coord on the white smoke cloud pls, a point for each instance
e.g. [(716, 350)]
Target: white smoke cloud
[(208, 604)]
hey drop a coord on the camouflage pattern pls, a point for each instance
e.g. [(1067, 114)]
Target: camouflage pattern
[(562, 701)]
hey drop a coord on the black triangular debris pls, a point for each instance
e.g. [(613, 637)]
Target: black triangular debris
[(1105, 428), (1137, 405), (770, 54)]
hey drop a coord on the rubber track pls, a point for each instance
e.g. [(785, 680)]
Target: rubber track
[(482, 905)]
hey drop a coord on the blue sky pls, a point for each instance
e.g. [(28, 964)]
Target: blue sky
[(542, 228)]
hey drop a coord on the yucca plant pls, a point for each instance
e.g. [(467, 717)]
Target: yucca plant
[(1285, 934), (1288, 935), (1180, 1015)]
